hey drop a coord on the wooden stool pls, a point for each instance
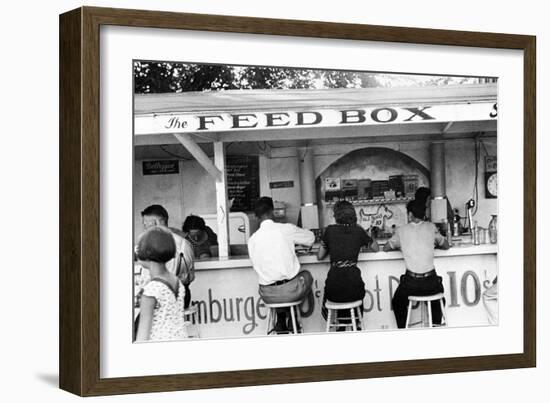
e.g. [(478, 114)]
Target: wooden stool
[(356, 317), (294, 315), (191, 320), (426, 309)]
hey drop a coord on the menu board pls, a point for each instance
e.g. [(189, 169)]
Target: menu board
[(243, 181)]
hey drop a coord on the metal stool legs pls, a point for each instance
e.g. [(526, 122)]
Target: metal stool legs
[(409, 309), (329, 319), (189, 315), (354, 308), (295, 319), (426, 310)]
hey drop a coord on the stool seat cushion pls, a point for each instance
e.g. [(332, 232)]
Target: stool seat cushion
[(343, 305), (425, 298), (283, 304)]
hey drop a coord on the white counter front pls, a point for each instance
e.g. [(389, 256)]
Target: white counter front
[(226, 291)]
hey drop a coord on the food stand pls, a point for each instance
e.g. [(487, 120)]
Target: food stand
[(307, 148)]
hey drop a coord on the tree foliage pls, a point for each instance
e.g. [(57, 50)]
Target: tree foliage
[(163, 77)]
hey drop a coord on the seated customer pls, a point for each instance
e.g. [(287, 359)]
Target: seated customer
[(200, 236), (271, 250), (423, 194), (342, 242), (417, 240)]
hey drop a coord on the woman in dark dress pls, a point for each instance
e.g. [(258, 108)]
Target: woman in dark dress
[(342, 242)]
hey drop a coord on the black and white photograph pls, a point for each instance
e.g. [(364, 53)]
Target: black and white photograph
[(244, 202), (274, 201)]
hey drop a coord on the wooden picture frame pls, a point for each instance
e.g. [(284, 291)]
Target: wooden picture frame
[(79, 308)]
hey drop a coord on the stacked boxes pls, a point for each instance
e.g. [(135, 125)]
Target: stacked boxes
[(349, 189), (332, 189), (396, 184), (410, 184), (378, 189), (356, 190), (364, 189)]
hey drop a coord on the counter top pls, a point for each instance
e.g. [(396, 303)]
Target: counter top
[(462, 249)]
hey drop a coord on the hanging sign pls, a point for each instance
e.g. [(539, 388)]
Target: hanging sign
[(161, 167), (281, 184)]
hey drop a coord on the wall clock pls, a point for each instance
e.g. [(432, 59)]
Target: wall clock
[(491, 185), (491, 177)]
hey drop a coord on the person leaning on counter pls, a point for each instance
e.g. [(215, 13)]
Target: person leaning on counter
[(423, 194), (343, 242), (271, 250), (200, 236), (417, 240)]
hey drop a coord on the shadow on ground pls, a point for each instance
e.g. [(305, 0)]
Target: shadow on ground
[(50, 379)]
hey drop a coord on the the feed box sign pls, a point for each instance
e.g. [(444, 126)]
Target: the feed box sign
[(268, 120)]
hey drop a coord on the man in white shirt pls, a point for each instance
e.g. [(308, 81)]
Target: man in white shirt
[(417, 241), (271, 250)]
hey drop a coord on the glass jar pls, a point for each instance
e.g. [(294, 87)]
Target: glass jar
[(481, 235), (493, 229), (475, 234), (487, 238)]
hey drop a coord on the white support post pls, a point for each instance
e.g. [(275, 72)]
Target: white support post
[(447, 127), (187, 141), (222, 211)]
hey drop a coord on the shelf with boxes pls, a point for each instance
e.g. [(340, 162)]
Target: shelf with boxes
[(374, 202), (396, 189)]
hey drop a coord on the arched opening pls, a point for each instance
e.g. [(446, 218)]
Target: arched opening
[(374, 163)]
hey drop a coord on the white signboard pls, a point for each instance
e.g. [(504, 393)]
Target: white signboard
[(229, 304), (261, 120)]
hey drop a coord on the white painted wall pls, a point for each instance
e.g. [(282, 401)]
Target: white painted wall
[(166, 190), (460, 169), (192, 191)]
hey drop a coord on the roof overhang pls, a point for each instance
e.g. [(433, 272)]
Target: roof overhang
[(252, 115)]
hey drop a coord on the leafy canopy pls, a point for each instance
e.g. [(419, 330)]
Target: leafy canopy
[(163, 77)]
